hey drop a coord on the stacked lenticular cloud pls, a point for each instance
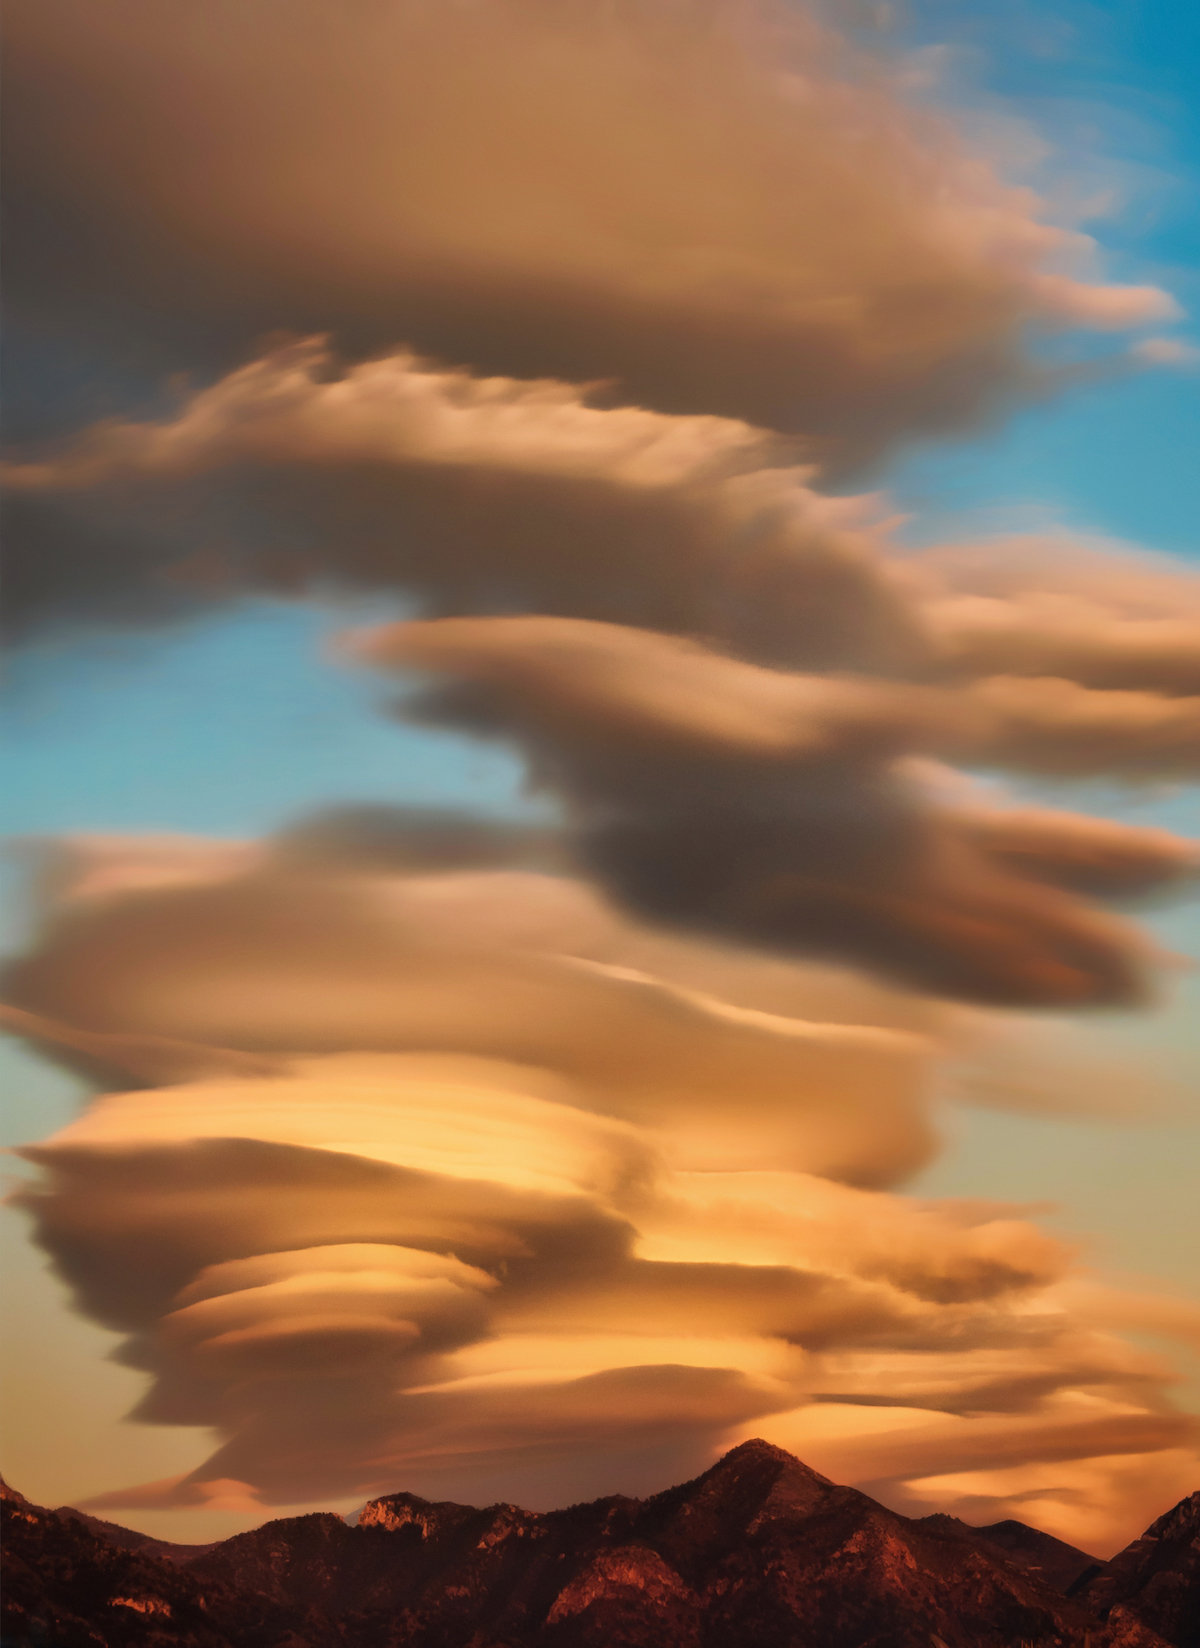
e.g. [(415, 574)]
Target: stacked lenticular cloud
[(463, 1177), (479, 1160)]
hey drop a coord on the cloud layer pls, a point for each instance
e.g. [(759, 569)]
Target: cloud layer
[(538, 1162), (481, 495), (720, 208), (441, 1189), (773, 808)]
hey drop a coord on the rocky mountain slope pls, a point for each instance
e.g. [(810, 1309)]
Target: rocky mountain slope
[(1156, 1580), (760, 1551)]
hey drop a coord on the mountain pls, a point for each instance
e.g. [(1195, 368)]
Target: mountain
[(1156, 1580), (128, 1539), (758, 1552), (67, 1587), (1029, 1549)]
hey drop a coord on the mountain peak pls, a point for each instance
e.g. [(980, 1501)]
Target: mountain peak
[(1180, 1520), (761, 1463), (753, 1486), (407, 1510), (756, 1449)]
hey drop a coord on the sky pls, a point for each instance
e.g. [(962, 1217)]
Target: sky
[(894, 1164)]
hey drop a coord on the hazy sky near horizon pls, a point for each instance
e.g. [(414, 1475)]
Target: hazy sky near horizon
[(234, 719)]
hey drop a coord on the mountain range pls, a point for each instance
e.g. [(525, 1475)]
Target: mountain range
[(758, 1552)]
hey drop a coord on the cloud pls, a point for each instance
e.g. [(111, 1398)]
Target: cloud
[(1092, 855), (530, 1293), (1052, 605), (471, 494), (1086, 1468), (723, 209), (226, 970), (770, 807), (488, 1159), (443, 1190), (485, 495), (614, 684), (644, 1140), (1167, 352), (1056, 726)]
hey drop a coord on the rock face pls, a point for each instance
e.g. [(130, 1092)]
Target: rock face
[(1156, 1580), (759, 1552)]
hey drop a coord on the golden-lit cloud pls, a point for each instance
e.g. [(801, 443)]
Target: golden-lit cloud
[(489, 1160), (436, 1194), (224, 971), (1094, 855), (591, 685), (1086, 1470)]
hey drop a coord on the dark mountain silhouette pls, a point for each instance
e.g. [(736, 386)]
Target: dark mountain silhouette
[(128, 1539), (1029, 1549), (759, 1552), (1156, 1580)]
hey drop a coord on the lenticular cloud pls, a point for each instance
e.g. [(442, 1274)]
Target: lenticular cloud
[(539, 1162), (464, 1178), (721, 208)]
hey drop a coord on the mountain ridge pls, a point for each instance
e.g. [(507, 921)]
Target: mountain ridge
[(1156, 1578), (1059, 1564), (760, 1550)]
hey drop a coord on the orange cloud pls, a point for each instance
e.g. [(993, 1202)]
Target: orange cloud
[(439, 1195)]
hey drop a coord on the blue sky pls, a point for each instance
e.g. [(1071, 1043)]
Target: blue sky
[(1111, 92)]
